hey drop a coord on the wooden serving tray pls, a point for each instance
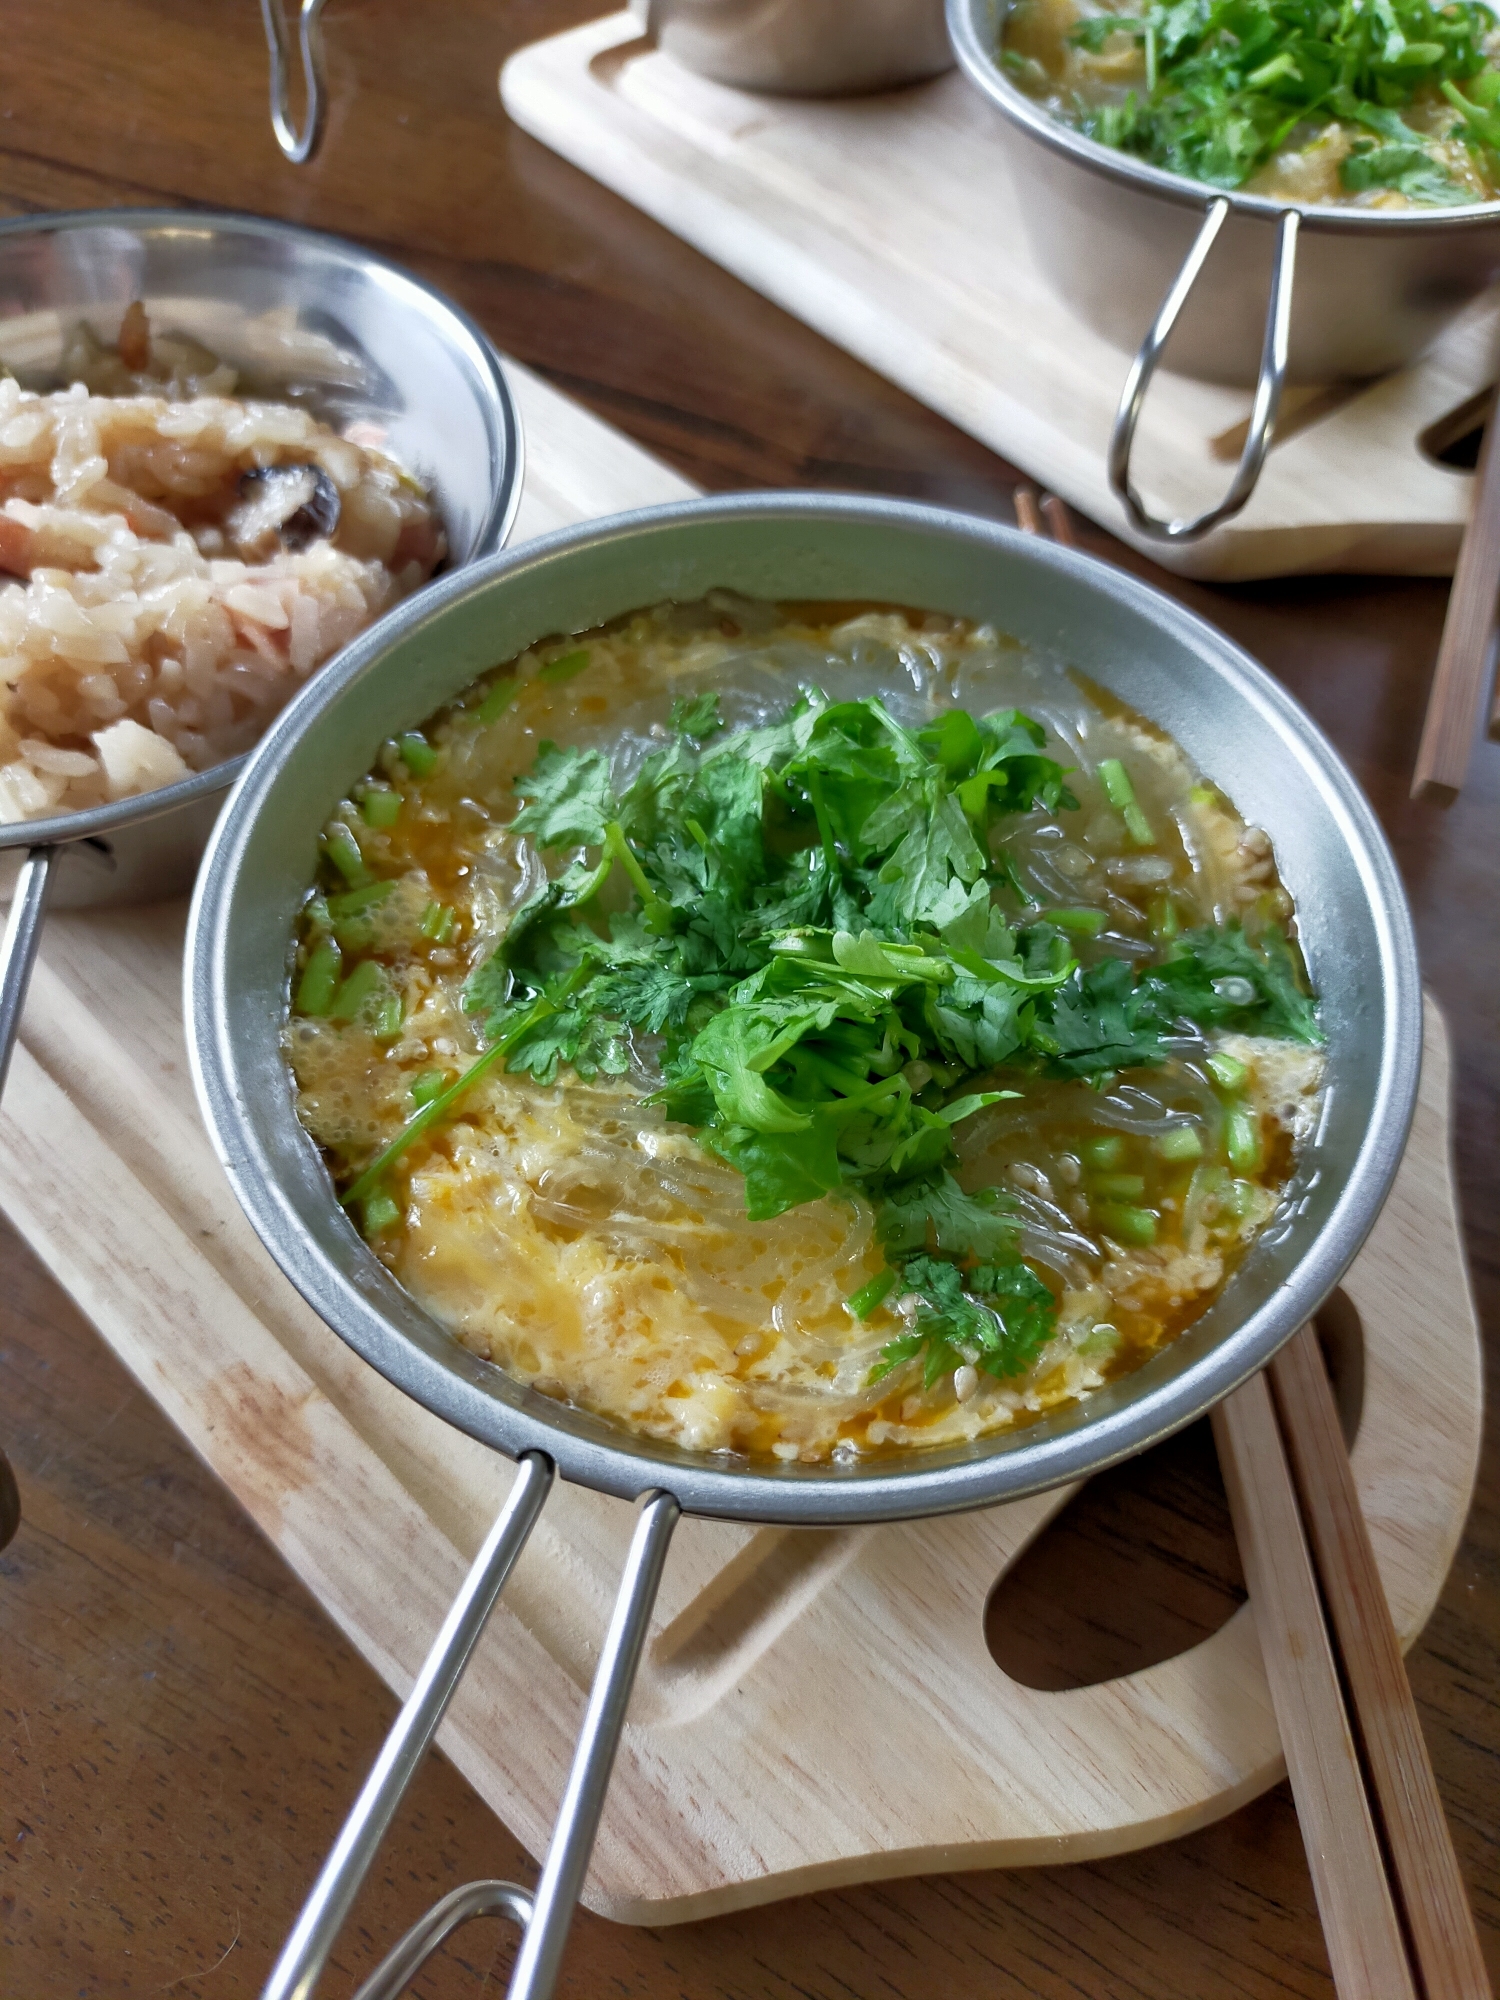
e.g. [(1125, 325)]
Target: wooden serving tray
[(815, 1707), (888, 223)]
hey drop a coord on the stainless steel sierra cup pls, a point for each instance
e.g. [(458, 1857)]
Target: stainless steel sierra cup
[(801, 48), (348, 331), (1229, 716), (1292, 292)]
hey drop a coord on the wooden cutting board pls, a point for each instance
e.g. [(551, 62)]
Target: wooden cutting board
[(815, 1707), (888, 223)]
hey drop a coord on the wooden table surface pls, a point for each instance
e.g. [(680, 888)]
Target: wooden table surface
[(183, 1727)]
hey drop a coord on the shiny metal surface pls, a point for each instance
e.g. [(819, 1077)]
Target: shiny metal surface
[(295, 1974), (23, 933), (1374, 289), (298, 147), (1229, 715), (540, 1957), (1230, 718), (400, 1966), (299, 313), (1268, 387), (813, 48)]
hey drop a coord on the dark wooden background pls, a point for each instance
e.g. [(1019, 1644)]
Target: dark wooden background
[(182, 1727)]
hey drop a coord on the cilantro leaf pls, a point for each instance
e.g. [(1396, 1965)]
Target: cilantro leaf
[(1099, 1020), (569, 801), (696, 716), (781, 1171), (935, 1213), (995, 1318), (1229, 82), (1224, 978)]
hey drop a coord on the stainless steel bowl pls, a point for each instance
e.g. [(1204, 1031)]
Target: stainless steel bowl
[(1232, 720), (1230, 717), (814, 48), (299, 313), (1116, 236)]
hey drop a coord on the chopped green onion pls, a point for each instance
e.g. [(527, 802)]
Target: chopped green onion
[(381, 807), (1100, 1342), (863, 1302), (361, 987), (1244, 1198), (389, 1017), (1242, 1139), (435, 1108), (343, 852), (1102, 1152), (427, 1086), (1128, 1225), (1166, 919), (497, 701), (417, 754), (320, 979), (354, 900), (1078, 923), (1207, 1184), (1182, 1142), (1119, 1187), (437, 923), (565, 666), (1121, 794), (1227, 1071), (378, 1212), (1284, 64)]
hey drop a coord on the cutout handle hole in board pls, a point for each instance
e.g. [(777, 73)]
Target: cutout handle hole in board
[(1142, 1565)]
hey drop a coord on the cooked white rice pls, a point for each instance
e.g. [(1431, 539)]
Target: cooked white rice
[(143, 638)]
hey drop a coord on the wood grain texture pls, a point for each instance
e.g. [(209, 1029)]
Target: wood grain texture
[(890, 224), (183, 1726), (1461, 679), (1444, 1942), (737, 1779), (1355, 1900)]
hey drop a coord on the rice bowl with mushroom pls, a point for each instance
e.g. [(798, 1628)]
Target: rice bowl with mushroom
[(164, 603)]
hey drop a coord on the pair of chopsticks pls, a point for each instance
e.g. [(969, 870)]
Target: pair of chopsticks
[(1466, 649), (1395, 1914)]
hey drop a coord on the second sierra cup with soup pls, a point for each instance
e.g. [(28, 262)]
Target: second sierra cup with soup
[(1110, 226)]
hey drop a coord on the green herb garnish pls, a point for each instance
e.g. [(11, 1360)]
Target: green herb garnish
[(815, 939), (1229, 82)]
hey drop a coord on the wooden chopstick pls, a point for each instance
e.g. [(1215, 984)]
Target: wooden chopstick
[(1439, 1922), (1459, 680), (1058, 520), (1031, 511), (1028, 520), (1357, 1902), (1366, 1952)]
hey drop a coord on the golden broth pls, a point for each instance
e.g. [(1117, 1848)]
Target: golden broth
[(574, 1235)]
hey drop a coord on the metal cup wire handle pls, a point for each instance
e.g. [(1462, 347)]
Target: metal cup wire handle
[(23, 933), (1268, 387), (298, 147), (546, 1914), (35, 881)]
